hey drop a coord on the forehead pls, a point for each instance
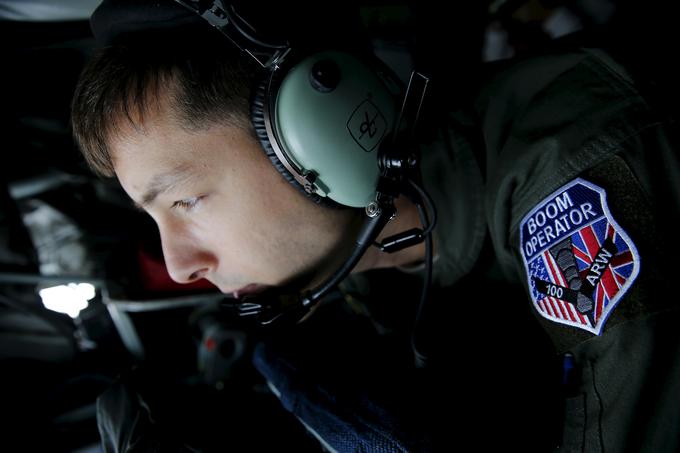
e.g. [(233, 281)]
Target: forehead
[(161, 145)]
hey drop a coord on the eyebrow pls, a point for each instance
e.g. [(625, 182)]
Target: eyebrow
[(163, 182)]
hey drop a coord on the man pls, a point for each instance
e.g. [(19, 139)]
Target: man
[(563, 159)]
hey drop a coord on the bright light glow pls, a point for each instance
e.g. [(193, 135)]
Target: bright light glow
[(69, 299)]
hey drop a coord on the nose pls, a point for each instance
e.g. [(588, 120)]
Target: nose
[(186, 260)]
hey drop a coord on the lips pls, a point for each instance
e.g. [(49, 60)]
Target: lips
[(250, 290)]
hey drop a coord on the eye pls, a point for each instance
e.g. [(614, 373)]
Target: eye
[(188, 204)]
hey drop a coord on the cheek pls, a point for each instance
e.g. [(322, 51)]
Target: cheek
[(268, 226), (263, 231), (271, 202), (241, 231)]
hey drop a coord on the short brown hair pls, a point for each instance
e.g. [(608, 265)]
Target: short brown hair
[(206, 83)]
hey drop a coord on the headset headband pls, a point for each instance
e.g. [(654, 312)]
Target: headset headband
[(267, 52)]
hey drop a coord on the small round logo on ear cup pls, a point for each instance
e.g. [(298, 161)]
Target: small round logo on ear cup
[(325, 76)]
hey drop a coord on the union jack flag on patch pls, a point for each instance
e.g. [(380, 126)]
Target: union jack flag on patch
[(579, 261)]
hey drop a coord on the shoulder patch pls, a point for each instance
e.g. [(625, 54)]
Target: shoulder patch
[(579, 261)]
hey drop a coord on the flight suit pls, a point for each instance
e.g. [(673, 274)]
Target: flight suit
[(579, 191)]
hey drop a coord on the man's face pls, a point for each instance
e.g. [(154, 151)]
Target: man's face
[(223, 211)]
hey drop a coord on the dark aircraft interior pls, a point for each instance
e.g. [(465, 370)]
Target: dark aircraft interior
[(86, 301)]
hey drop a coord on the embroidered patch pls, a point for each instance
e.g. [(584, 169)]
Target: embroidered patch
[(579, 262)]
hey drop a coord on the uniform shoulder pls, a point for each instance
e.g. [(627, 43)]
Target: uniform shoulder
[(556, 76)]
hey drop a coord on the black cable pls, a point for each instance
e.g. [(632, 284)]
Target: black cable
[(293, 307), (428, 226), (425, 197), (366, 238), (286, 306), (420, 357)]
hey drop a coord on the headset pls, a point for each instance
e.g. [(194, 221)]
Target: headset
[(330, 124)]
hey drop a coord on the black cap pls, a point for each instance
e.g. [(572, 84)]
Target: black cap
[(119, 21)]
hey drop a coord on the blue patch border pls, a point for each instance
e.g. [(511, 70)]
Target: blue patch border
[(599, 327)]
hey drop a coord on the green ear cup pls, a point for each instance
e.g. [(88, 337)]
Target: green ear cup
[(330, 121)]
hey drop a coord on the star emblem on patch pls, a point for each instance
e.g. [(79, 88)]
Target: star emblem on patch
[(579, 262)]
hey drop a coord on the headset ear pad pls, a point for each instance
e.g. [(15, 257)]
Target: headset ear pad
[(328, 114), (257, 113)]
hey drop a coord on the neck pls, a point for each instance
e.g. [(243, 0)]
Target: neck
[(407, 218)]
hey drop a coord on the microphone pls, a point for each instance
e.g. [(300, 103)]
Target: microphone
[(276, 307)]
